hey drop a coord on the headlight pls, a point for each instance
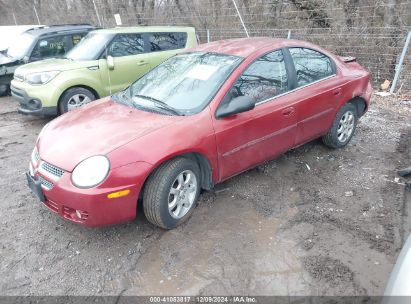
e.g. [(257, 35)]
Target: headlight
[(35, 157), (90, 172), (40, 78)]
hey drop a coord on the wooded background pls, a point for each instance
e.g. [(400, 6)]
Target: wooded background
[(374, 31)]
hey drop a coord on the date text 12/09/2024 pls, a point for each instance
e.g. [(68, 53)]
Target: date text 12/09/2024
[(203, 299)]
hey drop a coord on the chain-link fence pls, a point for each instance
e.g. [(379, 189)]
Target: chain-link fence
[(374, 31)]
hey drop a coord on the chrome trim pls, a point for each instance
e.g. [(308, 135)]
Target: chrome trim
[(293, 90), (319, 114), (258, 140)]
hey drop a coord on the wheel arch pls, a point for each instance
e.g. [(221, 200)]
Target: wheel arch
[(206, 173), (360, 104), (205, 168), (92, 90)]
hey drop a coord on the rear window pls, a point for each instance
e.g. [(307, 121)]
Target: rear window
[(167, 41)]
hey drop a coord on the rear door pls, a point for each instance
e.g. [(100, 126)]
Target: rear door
[(130, 61), (317, 87), (163, 45), (252, 137)]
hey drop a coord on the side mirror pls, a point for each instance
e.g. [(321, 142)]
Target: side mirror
[(110, 62), (236, 105), (26, 59)]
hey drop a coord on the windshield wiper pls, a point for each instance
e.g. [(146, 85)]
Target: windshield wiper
[(160, 104), (122, 98)]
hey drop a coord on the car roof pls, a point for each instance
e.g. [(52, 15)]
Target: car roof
[(149, 29), (44, 30), (244, 47)]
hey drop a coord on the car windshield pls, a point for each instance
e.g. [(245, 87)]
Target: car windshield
[(90, 47), (20, 46), (184, 83)]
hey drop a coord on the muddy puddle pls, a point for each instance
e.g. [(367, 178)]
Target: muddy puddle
[(225, 249)]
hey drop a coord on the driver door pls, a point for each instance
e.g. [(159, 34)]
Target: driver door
[(247, 139)]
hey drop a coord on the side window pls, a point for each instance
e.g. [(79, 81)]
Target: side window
[(126, 45), (263, 79), (310, 65), (76, 38), (167, 41), (50, 47)]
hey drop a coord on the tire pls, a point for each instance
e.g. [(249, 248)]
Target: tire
[(159, 199), (343, 127), (4, 90), (74, 98)]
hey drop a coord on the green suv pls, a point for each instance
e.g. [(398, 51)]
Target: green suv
[(104, 62)]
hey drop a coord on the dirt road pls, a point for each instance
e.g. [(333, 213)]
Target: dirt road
[(314, 221)]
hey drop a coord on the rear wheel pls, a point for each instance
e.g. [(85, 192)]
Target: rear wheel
[(171, 193), (75, 98), (343, 127)]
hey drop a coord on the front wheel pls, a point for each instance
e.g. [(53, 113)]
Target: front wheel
[(172, 192), (4, 90), (75, 98), (343, 127)]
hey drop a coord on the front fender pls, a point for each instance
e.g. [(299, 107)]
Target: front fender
[(84, 77)]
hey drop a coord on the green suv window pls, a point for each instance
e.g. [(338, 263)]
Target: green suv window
[(126, 45)]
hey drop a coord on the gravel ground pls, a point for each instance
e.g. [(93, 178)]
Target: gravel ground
[(314, 221)]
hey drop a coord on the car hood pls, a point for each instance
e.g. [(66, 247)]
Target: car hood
[(4, 60), (54, 64), (96, 129)]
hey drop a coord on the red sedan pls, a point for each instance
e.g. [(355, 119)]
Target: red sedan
[(199, 118)]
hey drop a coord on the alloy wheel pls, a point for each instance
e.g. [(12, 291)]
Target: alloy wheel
[(346, 126), (77, 101), (182, 194)]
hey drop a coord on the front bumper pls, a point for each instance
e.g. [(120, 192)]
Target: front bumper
[(35, 100), (91, 207)]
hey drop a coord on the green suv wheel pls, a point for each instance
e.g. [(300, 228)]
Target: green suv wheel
[(75, 98)]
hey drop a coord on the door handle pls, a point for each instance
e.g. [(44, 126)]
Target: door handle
[(142, 62), (288, 111), (337, 91)]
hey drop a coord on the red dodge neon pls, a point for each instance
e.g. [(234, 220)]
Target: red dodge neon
[(197, 119)]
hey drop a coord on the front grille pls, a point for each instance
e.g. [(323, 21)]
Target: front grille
[(45, 183), (53, 170), (18, 77)]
